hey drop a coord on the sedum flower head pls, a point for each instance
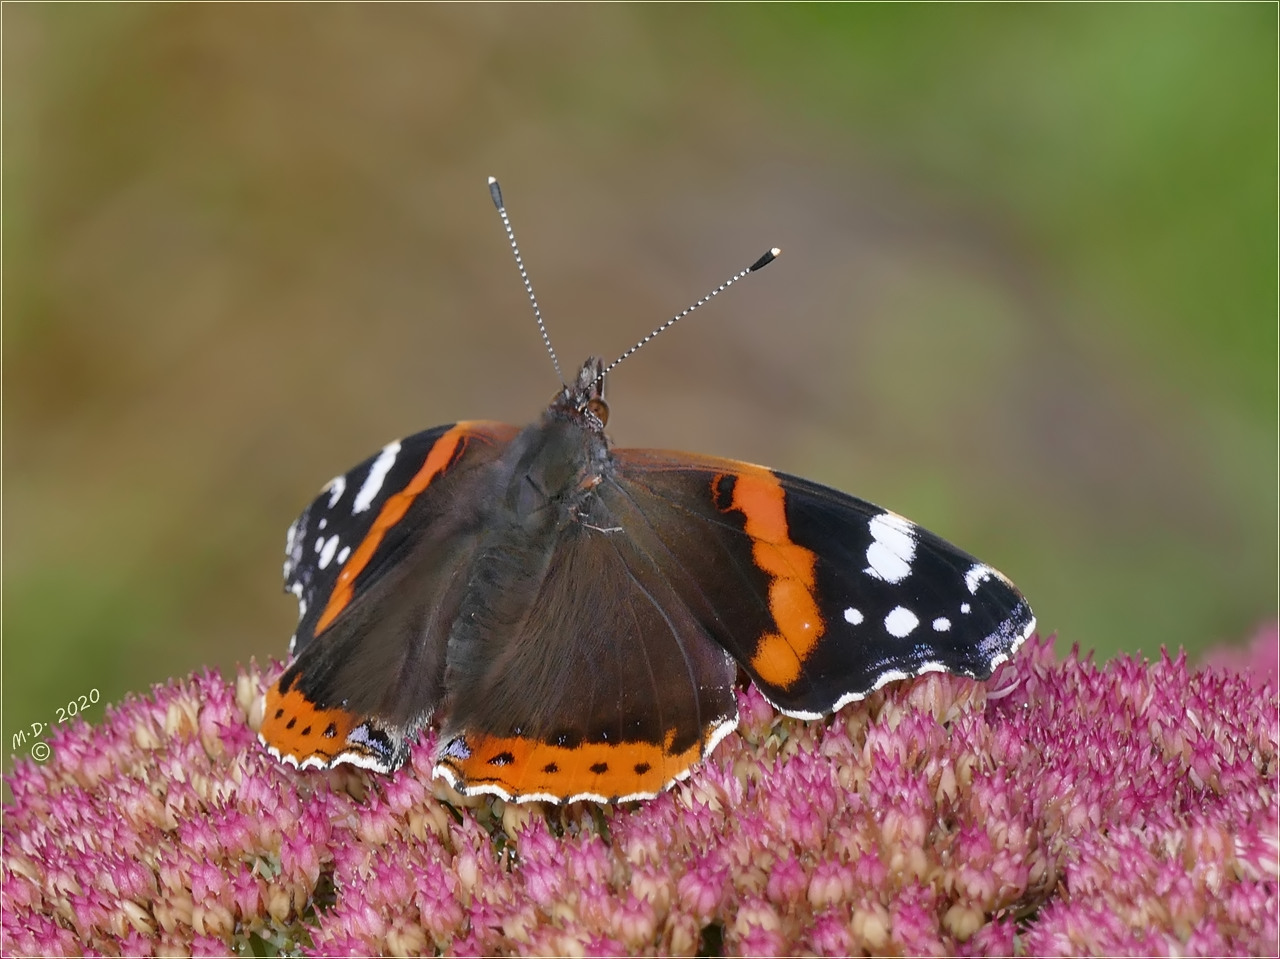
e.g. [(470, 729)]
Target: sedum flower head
[(1063, 807)]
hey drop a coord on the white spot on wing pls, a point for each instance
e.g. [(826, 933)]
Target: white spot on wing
[(343, 554), (296, 588), (336, 487), (295, 545), (721, 729), (330, 547), (890, 676), (853, 616), (900, 622), (377, 474), (846, 699), (892, 549), (807, 715), (976, 574), (941, 624), (361, 760)]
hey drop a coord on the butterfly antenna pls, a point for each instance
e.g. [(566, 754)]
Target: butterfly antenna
[(495, 191), (759, 264)]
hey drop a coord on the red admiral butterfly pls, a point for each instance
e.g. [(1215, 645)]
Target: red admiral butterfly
[(574, 616)]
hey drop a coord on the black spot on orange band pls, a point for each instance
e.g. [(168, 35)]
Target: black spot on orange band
[(291, 723), (529, 767)]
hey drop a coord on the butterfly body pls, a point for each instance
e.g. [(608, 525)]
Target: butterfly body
[(574, 617)]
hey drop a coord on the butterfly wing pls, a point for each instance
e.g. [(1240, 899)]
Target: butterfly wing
[(587, 651), (583, 676), (600, 663), (820, 596), (375, 562)]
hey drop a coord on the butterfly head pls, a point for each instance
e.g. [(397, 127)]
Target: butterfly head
[(583, 399)]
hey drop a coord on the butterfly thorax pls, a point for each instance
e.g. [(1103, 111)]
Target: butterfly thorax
[(555, 463), (546, 481)]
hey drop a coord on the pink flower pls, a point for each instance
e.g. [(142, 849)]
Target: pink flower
[(1061, 807)]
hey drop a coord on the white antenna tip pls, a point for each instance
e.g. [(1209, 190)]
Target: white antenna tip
[(492, 180), (764, 260)]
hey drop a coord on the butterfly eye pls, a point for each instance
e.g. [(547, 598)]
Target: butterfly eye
[(599, 409)]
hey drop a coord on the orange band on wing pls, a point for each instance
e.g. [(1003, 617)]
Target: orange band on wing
[(516, 766), (779, 656), (300, 731), (442, 454)]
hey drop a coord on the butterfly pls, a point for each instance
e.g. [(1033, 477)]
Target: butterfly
[(574, 616)]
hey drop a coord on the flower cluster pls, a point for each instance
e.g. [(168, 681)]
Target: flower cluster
[(1059, 808)]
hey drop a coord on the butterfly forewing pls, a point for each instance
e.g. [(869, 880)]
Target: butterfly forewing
[(820, 596), (374, 562), (353, 529)]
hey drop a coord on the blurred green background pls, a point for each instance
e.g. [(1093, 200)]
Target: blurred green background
[(1027, 298)]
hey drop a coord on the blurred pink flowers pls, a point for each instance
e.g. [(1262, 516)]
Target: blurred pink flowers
[(1060, 808)]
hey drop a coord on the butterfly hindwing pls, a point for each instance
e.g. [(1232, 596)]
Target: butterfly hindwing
[(581, 673)]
